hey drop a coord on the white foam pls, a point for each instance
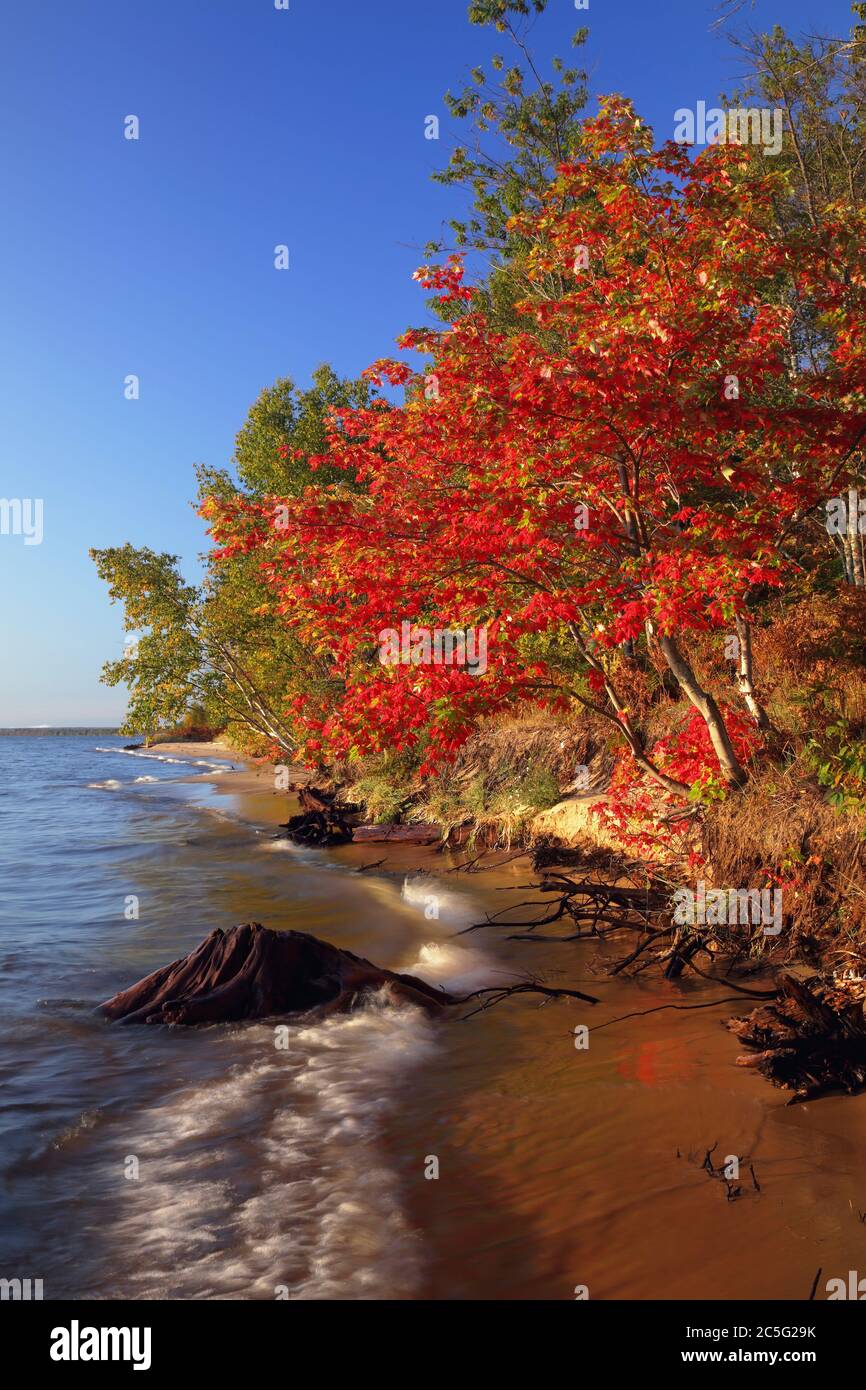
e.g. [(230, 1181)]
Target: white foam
[(111, 785), (303, 854), (457, 969), (153, 757), (275, 1176), (427, 893), (444, 957)]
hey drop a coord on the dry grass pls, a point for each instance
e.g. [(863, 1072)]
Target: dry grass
[(512, 768), (782, 832)]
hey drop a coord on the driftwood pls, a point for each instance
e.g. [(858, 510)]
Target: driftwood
[(596, 908), (733, 1188), (399, 834), (252, 972), (686, 945), (809, 1040), (494, 994), (320, 821), (593, 908), (602, 863)]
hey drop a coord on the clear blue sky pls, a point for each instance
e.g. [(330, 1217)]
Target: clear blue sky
[(155, 257)]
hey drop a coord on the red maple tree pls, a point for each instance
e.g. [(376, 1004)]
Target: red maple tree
[(621, 470)]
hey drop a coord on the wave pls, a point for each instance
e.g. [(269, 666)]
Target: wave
[(437, 900), (272, 1182), (457, 969), (215, 769), (222, 765), (153, 757)]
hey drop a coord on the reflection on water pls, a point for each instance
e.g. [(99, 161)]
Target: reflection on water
[(153, 1162), (596, 1159)]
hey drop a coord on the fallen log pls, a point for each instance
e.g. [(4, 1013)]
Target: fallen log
[(809, 1040), (252, 972), (400, 834)]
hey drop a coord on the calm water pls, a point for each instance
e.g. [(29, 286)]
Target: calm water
[(159, 1163)]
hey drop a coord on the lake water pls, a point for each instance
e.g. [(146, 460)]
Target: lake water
[(206, 1163)]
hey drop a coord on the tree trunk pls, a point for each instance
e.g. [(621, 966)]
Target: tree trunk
[(852, 554), (745, 682), (709, 711), (633, 737)]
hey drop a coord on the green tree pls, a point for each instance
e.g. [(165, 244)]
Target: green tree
[(520, 127), (182, 660), (819, 84), (283, 417), (219, 646)]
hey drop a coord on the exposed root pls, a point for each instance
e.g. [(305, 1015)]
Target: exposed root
[(810, 1040)]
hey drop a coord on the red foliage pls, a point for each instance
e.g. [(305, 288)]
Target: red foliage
[(647, 818), (646, 390)]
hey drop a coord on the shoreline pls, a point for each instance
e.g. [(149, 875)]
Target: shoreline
[(256, 780), (559, 1165)]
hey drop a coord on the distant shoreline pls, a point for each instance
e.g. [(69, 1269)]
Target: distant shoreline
[(84, 730)]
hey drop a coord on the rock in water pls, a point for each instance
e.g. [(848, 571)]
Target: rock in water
[(252, 972)]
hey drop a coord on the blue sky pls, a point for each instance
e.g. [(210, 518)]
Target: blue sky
[(155, 257)]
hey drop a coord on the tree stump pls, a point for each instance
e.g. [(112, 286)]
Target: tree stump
[(320, 821), (252, 972)]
